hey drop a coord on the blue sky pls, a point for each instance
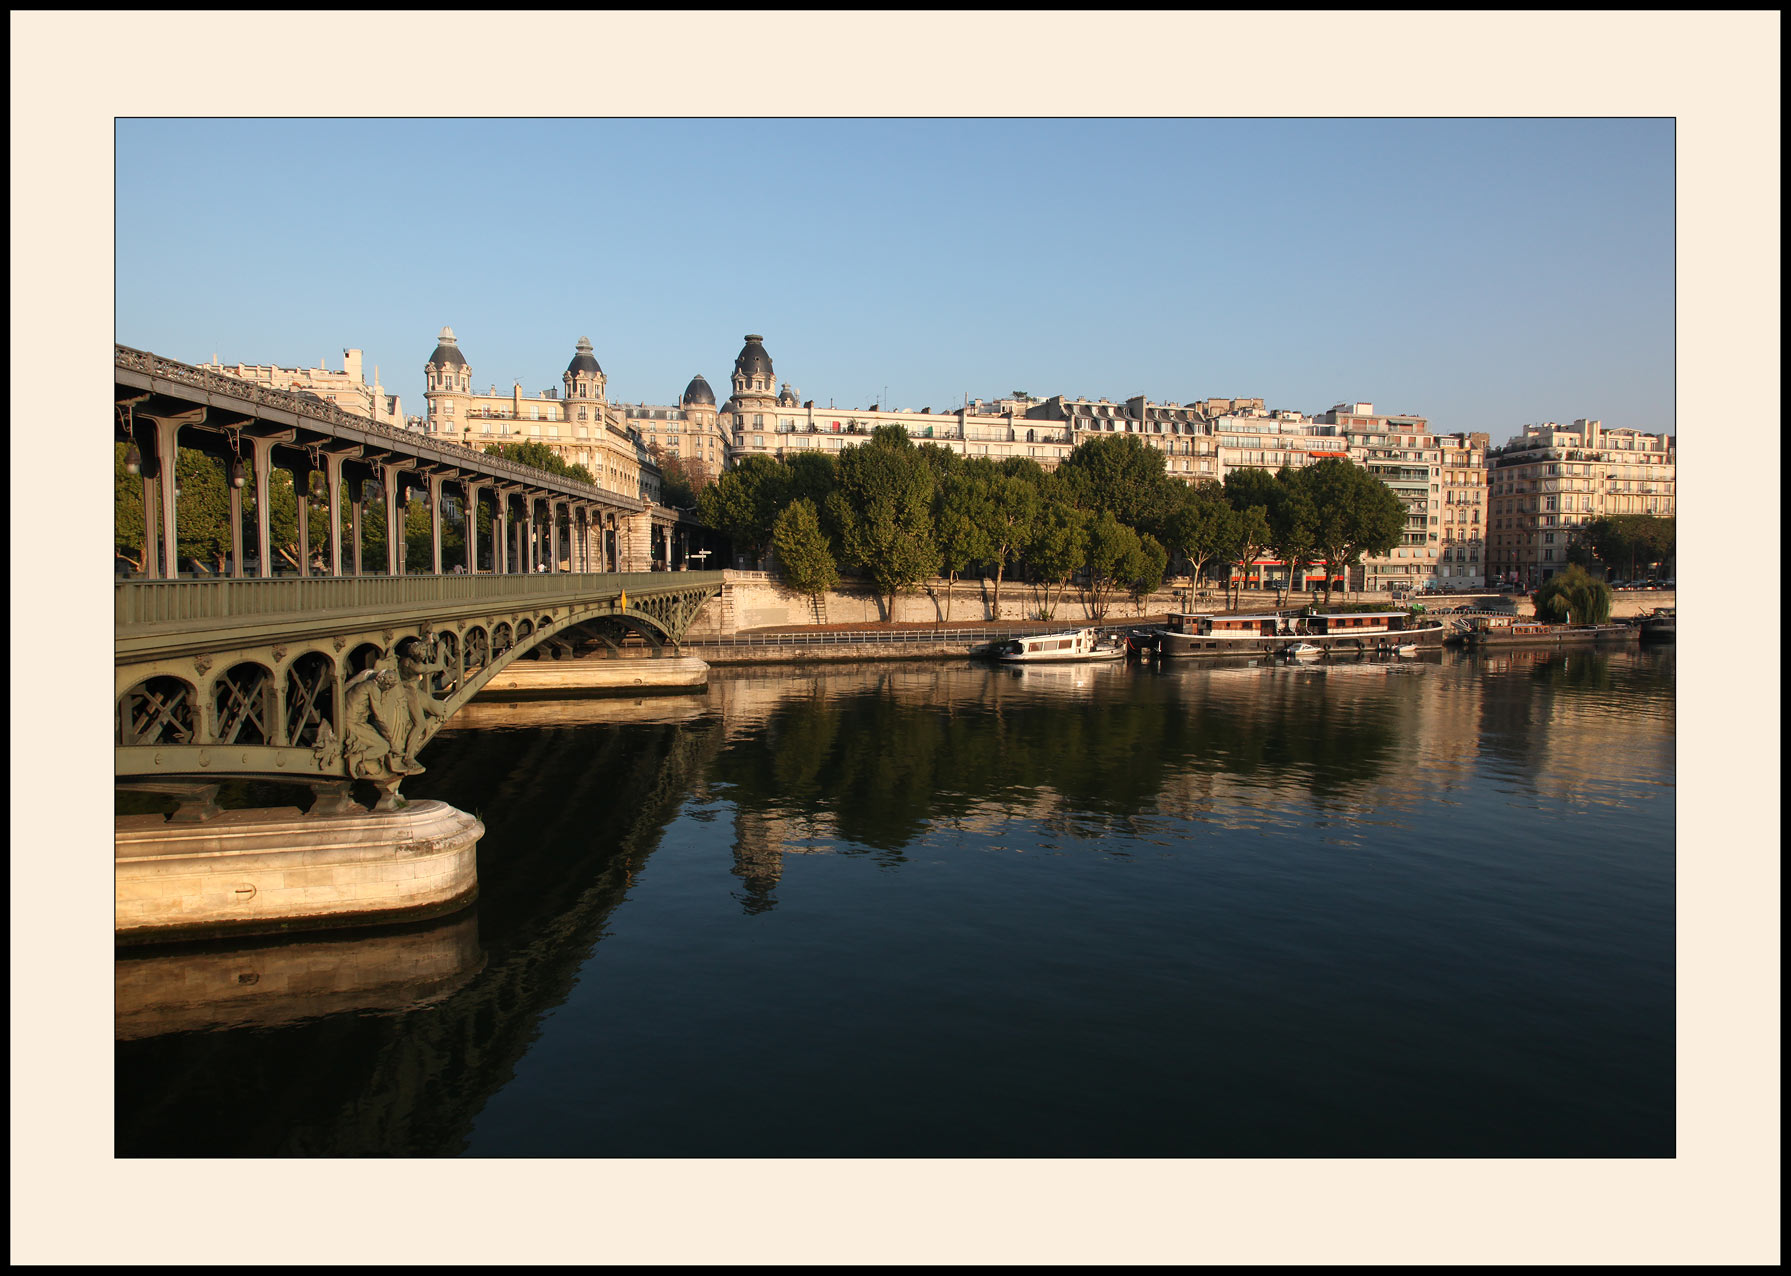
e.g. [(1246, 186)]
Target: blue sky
[(1486, 273)]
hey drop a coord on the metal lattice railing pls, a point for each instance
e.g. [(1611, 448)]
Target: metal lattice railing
[(141, 605)]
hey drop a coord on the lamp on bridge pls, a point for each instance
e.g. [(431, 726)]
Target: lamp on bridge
[(133, 460), (237, 477)]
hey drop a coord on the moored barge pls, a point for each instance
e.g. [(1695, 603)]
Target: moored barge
[(1352, 632), (1503, 631)]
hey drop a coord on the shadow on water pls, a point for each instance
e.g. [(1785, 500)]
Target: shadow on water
[(388, 1043)]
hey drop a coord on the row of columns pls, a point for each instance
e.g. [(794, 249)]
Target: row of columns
[(592, 540)]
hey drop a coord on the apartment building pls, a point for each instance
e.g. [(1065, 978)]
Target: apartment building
[(1400, 450), (347, 388), (583, 427), (1550, 480), (760, 419), (690, 429)]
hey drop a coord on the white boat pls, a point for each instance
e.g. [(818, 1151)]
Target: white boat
[(1406, 649), (1073, 644), (1302, 651)]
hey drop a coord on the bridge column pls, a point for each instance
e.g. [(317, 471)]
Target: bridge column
[(166, 450), (263, 451), (435, 519), (357, 507), (529, 557), (472, 488), (152, 524), (332, 471), (388, 480), (634, 549), (301, 492), (236, 532), (500, 529)]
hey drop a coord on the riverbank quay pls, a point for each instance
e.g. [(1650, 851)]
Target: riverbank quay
[(829, 644)]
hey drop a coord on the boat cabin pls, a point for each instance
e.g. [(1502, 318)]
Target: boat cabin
[(1208, 626), (1506, 625), (1348, 624)]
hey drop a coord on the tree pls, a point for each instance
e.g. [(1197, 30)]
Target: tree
[(1625, 539), (883, 508), (804, 551), (963, 518), (1201, 527), (1573, 596), (127, 511), (1250, 537), (680, 477), (1013, 504), (1112, 552), (744, 503), (1119, 474), (1059, 545), (1354, 513), (1144, 568), (1291, 524), (541, 457)]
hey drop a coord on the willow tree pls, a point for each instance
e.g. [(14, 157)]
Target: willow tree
[(1573, 596)]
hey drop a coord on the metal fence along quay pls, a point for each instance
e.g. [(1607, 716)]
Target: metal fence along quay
[(830, 638)]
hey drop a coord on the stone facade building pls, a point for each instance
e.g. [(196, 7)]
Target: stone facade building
[(1552, 479), (759, 419), (347, 389), (583, 427), (689, 429)]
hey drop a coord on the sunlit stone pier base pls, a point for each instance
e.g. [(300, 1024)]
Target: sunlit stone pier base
[(271, 871), (597, 676)]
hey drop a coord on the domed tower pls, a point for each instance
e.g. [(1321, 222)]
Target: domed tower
[(753, 405), (447, 380), (786, 397), (698, 402), (753, 377), (702, 423), (584, 379)]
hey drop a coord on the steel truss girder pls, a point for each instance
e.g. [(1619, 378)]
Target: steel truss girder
[(213, 676)]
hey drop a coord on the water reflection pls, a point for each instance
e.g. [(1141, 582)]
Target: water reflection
[(199, 987), (1334, 857)]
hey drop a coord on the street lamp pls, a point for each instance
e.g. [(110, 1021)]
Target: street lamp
[(237, 477), (133, 460)]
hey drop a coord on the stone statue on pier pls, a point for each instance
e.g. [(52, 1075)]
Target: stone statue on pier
[(387, 720)]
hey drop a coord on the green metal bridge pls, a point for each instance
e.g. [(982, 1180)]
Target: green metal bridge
[(248, 677)]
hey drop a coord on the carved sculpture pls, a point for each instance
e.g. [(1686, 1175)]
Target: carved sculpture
[(387, 719)]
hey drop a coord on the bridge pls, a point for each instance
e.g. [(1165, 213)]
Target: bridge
[(256, 675), (538, 520)]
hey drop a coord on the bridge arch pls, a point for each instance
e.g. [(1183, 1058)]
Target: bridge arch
[(270, 697), (158, 710), (311, 683), (242, 704)]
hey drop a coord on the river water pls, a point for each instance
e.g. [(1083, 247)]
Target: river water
[(947, 910)]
